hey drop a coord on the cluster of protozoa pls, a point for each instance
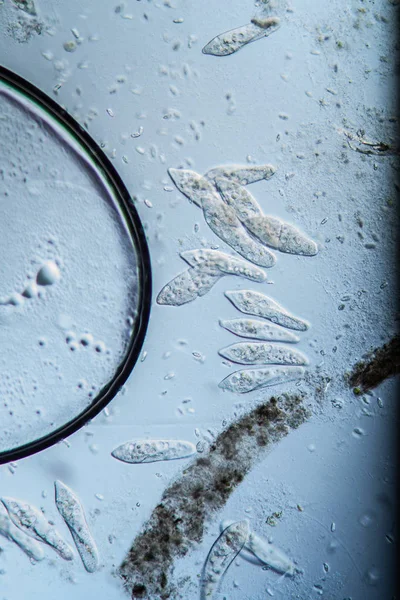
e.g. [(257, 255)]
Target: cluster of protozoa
[(272, 362), (236, 538), (206, 268), (235, 216), (26, 525)]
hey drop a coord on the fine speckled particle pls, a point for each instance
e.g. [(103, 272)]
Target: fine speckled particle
[(222, 553), (248, 380), (268, 554), (189, 285), (14, 534), (71, 510), (147, 451), (261, 353), (191, 184), (32, 522), (258, 330), (233, 40), (255, 303), (280, 235), (225, 263), (243, 175), (237, 196)]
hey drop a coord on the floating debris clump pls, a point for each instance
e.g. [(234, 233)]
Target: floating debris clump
[(191, 501)]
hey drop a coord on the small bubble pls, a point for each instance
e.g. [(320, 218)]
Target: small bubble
[(86, 340)]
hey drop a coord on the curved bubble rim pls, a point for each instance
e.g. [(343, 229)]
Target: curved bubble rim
[(138, 239)]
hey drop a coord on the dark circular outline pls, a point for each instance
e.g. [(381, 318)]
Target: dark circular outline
[(138, 237)]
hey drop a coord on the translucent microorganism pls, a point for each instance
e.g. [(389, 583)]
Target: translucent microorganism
[(248, 380), (259, 305), (258, 330), (32, 522), (222, 553), (233, 40), (226, 263), (147, 451), (262, 353), (71, 510), (239, 198), (268, 554)]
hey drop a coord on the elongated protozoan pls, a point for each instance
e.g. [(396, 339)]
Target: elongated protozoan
[(280, 235), (191, 184), (223, 221), (248, 380), (243, 175), (26, 543), (32, 522), (225, 263), (259, 305), (237, 196), (220, 217), (222, 553), (189, 285), (262, 353), (233, 40), (71, 510), (258, 330), (147, 451), (268, 554)]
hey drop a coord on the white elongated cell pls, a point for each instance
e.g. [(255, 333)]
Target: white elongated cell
[(239, 198), (220, 217), (14, 534), (262, 353), (147, 451), (258, 330), (32, 522), (268, 554), (225, 263), (280, 235), (191, 184), (241, 174), (223, 221), (259, 305), (222, 553), (71, 510), (248, 380), (189, 285), (233, 40)]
